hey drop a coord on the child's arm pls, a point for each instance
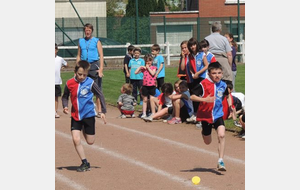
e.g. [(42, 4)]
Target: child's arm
[(65, 99), (159, 69), (96, 90), (138, 70), (152, 72), (196, 75)]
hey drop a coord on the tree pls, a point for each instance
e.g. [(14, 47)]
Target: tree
[(110, 8), (160, 6)]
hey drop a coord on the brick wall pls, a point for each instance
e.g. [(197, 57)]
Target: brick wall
[(218, 8)]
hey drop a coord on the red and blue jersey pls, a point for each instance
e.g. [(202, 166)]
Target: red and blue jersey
[(81, 98), (210, 111)]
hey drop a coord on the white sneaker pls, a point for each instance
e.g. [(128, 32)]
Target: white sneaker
[(192, 119), (148, 119), (133, 116), (199, 125), (122, 116), (143, 116)]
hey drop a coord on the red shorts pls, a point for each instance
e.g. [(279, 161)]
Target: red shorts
[(127, 112)]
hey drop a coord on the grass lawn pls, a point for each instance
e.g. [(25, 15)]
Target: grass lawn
[(114, 79)]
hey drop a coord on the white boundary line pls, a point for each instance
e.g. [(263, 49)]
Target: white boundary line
[(69, 182), (181, 145), (175, 178)]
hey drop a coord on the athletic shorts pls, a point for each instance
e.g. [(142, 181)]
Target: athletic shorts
[(57, 90), (148, 90), (87, 123), (170, 109), (127, 112), (207, 127)]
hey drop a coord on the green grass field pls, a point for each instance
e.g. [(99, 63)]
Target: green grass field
[(114, 79)]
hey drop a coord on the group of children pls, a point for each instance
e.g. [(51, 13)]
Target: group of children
[(198, 96)]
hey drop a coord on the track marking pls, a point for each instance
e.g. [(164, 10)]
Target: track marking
[(68, 181), (181, 145), (175, 178)]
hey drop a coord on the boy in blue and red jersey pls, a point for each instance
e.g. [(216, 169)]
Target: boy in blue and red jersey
[(210, 93), (82, 89)]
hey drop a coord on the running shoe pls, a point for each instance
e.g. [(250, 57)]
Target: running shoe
[(192, 119), (148, 119), (221, 166), (143, 116), (84, 167), (56, 115), (123, 116), (133, 116), (236, 123), (174, 120)]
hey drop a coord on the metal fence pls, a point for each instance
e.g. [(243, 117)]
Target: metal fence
[(151, 30)]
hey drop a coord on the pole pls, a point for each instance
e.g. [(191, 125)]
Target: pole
[(137, 21), (238, 1), (76, 12)]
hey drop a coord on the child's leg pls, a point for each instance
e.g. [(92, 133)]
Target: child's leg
[(206, 132), (152, 104), (160, 113), (77, 143), (221, 140), (56, 103), (145, 100)]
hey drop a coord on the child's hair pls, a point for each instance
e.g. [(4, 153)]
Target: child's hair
[(234, 44), (83, 64), (177, 82), (192, 41), (203, 44), (183, 42), (148, 57), (88, 25), (137, 49), (155, 47), (214, 65), (167, 88), (229, 85), (130, 48), (56, 47), (183, 83), (127, 88)]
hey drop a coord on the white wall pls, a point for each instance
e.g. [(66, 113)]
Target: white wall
[(84, 9)]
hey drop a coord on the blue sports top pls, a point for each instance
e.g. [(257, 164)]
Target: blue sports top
[(89, 51), (133, 65), (156, 62)]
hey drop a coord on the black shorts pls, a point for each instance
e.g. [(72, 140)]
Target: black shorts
[(160, 82), (207, 127), (87, 123), (170, 109), (184, 114), (148, 90), (57, 90)]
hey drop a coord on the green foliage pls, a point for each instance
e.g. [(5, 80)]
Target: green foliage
[(160, 6)]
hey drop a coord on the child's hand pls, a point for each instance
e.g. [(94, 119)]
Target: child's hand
[(103, 117), (66, 110), (210, 98)]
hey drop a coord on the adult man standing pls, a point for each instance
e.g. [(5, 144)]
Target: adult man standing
[(220, 47)]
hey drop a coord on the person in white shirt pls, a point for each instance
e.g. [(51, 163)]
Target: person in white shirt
[(59, 63)]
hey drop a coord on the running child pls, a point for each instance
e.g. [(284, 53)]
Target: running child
[(210, 93), (82, 89)]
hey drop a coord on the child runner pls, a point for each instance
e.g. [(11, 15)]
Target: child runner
[(210, 93), (126, 101), (149, 83), (82, 89)]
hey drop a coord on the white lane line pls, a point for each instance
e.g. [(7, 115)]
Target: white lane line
[(181, 145), (172, 177), (69, 182)]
